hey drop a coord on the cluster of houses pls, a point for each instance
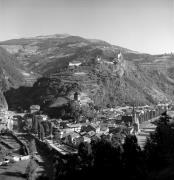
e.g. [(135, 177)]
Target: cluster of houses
[(74, 134), (108, 122), (6, 119)]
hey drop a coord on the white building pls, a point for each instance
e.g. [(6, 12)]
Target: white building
[(75, 63), (98, 59), (119, 56)]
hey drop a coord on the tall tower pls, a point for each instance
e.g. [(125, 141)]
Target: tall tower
[(120, 56), (133, 114), (98, 59), (76, 96), (135, 120)]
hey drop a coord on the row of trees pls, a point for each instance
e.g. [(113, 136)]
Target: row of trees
[(101, 159), (42, 128), (33, 123)]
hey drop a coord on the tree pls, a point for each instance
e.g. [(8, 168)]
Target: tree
[(35, 124), (75, 110), (107, 158), (32, 146), (116, 139), (42, 132), (164, 119), (30, 170), (2, 152), (56, 135), (133, 160), (23, 150), (85, 154), (63, 113), (46, 128), (159, 146)]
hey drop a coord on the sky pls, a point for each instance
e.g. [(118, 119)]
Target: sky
[(141, 25)]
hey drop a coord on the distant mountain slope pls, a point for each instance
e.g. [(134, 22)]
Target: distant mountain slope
[(138, 77), (47, 54)]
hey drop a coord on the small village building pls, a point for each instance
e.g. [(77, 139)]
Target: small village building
[(87, 139), (3, 125), (74, 64), (44, 117), (57, 107), (39, 118), (91, 133), (104, 128), (87, 128), (119, 56), (82, 133), (10, 124), (98, 59), (72, 139), (34, 108), (108, 62), (127, 119), (96, 126), (15, 124), (75, 127)]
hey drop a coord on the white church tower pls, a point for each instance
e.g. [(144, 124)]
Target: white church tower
[(119, 56)]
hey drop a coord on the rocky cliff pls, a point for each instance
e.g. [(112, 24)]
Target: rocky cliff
[(10, 75)]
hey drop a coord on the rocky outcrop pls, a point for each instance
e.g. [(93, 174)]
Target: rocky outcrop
[(10, 75)]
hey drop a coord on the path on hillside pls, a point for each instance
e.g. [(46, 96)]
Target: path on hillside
[(15, 171)]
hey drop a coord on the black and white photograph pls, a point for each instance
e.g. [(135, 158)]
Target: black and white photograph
[(86, 89)]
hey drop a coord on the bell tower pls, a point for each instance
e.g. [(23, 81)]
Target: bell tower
[(76, 96)]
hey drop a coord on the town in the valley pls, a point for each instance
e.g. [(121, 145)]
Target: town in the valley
[(22, 132)]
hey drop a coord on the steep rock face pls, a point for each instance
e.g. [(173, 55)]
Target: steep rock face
[(10, 75)]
